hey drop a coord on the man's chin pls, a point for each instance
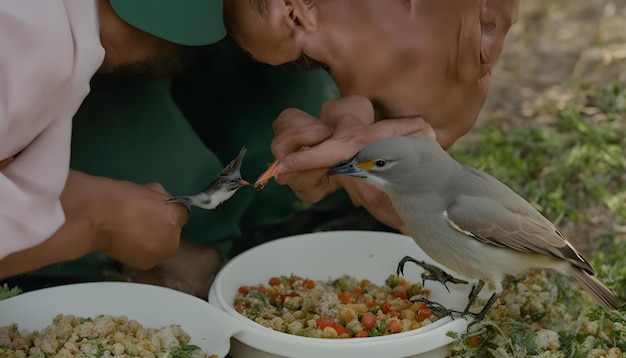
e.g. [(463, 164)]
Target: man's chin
[(157, 68), (144, 71)]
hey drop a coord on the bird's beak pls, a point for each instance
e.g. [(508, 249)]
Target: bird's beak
[(346, 167), (243, 182)]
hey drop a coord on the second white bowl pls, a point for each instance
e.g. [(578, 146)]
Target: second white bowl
[(362, 254)]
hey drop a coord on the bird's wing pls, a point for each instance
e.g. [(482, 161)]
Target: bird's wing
[(231, 171), (496, 215)]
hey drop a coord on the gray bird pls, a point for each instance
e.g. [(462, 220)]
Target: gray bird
[(227, 182), (466, 219)]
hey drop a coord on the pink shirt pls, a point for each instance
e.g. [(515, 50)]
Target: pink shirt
[(49, 50)]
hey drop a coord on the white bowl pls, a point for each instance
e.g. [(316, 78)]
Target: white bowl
[(152, 306), (362, 254)]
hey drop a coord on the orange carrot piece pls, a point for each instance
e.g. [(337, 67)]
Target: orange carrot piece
[(274, 281), (339, 329), (324, 322), (345, 297), (394, 326), (424, 313), (368, 320), (308, 284)]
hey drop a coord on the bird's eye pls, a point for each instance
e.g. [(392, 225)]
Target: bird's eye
[(380, 163)]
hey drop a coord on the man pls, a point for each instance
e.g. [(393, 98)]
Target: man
[(51, 49), (128, 130), (394, 60), (151, 247)]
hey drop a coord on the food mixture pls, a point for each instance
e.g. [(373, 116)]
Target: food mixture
[(342, 308), (102, 336), (546, 315)]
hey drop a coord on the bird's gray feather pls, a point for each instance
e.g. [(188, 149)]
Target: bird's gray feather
[(494, 214)]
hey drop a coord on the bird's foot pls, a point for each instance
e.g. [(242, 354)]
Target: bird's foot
[(483, 312), (436, 273), (438, 309)]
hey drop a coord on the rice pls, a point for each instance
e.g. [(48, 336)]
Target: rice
[(103, 336)]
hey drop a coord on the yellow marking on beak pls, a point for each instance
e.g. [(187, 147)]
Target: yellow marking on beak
[(365, 165)]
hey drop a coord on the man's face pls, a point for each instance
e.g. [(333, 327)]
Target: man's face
[(409, 57)]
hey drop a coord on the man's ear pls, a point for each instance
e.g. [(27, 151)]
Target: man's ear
[(496, 18), (302, 15)]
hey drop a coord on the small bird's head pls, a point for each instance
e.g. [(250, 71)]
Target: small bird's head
[(393, 163), (229, 179), (229, 183), (233, 169)]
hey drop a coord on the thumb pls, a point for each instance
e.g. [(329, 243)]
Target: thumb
[(156, 187), (178, 212)]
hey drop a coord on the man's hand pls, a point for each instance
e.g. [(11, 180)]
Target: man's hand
[(130, 222), (307, 146)]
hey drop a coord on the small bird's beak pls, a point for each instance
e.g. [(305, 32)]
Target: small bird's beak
[(243, 182), (346, 167)]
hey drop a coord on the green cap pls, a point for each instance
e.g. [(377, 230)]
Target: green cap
[(185, 22)]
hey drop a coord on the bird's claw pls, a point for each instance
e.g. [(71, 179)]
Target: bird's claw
[(436, 273), (438, 309), (483, 312)]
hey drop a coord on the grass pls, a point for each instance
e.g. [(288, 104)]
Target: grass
[(573, 170), (6, 291), (565, 166)]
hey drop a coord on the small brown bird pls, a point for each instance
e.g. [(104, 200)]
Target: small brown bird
[(227, 182)]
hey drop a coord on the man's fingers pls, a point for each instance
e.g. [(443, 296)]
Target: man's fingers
[(293, 139), (287, 117), (358, 107), (305, 160), (375, 201), (317, 190), (179, 213), (326, 153), (156, 187)]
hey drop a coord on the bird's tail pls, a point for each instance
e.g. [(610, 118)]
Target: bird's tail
[(183, 199), (596, 289)]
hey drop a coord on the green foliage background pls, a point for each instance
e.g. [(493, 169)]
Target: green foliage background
[(566, 166)]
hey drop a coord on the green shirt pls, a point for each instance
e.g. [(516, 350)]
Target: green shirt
[(181, 133)]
